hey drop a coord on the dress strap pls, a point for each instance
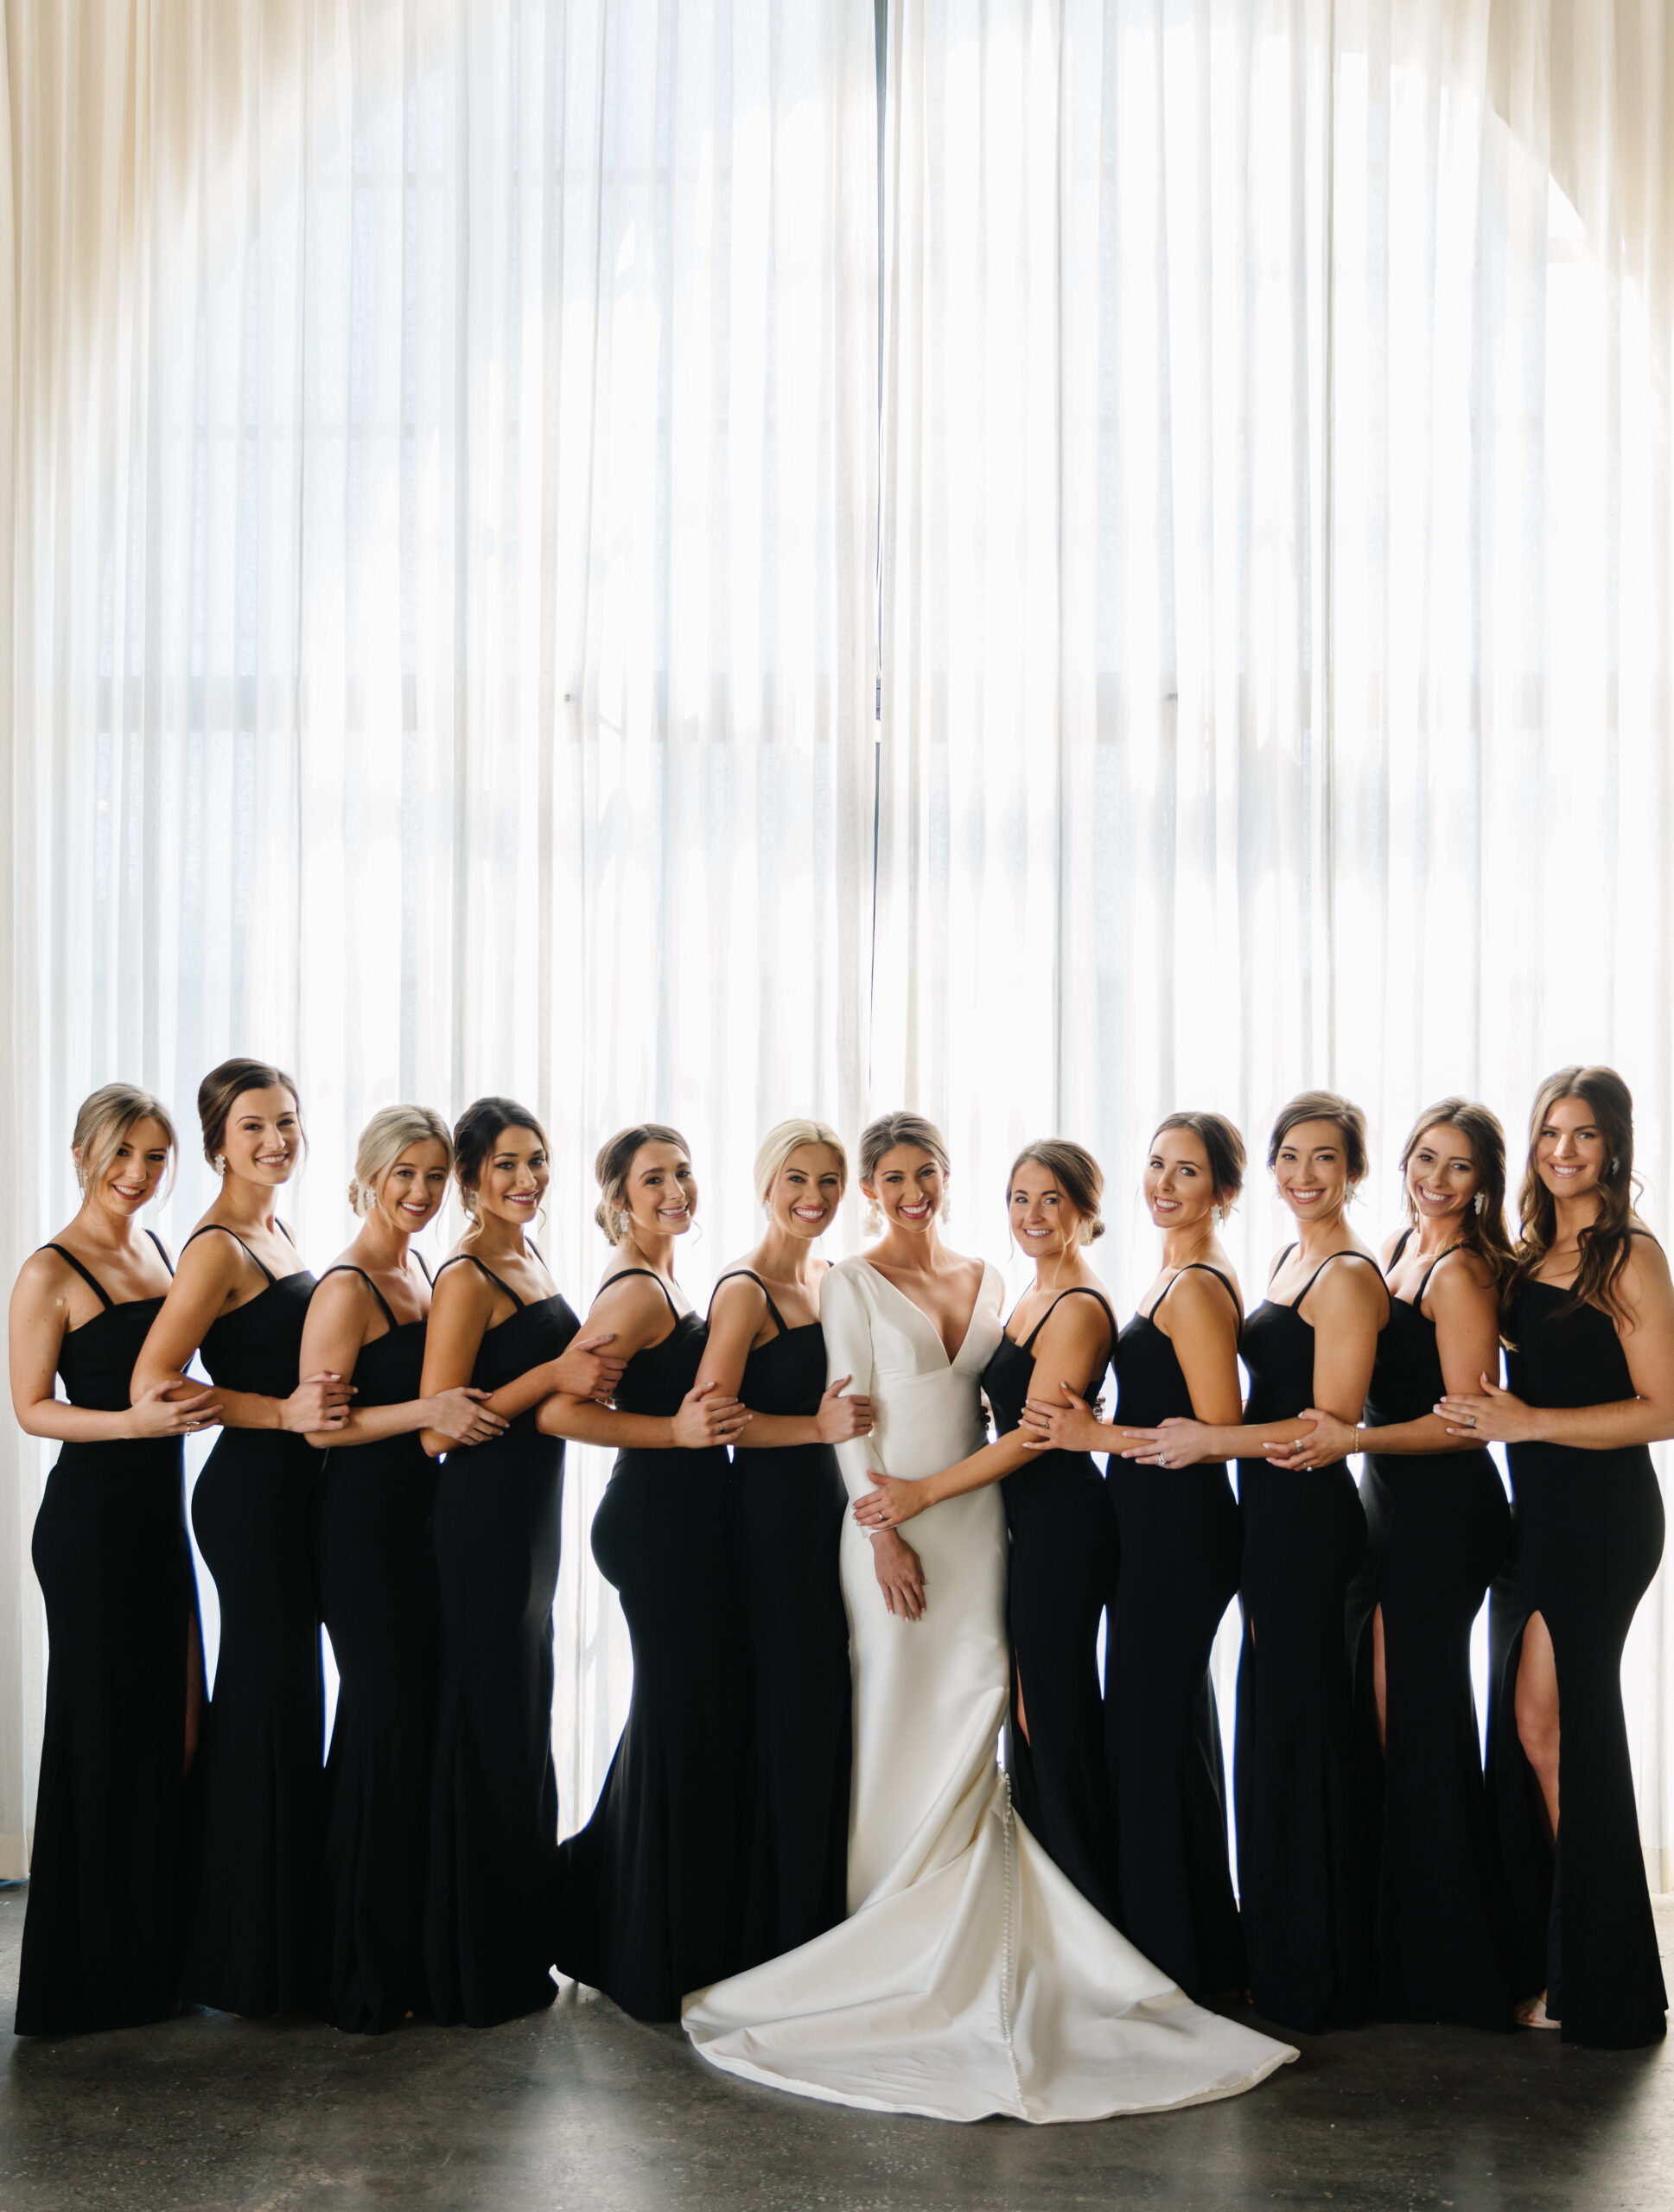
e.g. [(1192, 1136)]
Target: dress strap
[(1296, 1301), (1280, 1261), (1200, 1266), (1431, 1271), (221, 1227), (656, 1278), (423, 1270), (86, 1274), (162, 1249), (749, 1275), (460, 1257), (1400, 1244), (347, 1268), (1077, 1290)]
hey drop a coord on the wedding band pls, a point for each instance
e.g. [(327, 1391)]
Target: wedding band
[(1470, 1420)]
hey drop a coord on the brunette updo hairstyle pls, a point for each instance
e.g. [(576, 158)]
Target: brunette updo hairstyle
[(105, 1117), (1484, 1230), (1077, 1174), (1605, 1243), (476, 1133), (224, 1086), (613, 1165), (1345, 1117), (882, 1135), (1223, 1148)]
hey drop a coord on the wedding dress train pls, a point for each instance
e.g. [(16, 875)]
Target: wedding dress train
[(971, 1977)]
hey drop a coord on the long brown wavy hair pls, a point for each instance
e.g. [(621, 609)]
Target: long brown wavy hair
[(1605, 1242), (1484, 1230)]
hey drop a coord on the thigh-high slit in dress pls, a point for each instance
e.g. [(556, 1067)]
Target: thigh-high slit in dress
[(1588, 1539)]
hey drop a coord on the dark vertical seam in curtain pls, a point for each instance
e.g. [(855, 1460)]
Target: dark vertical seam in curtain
[(299, 863), (880, 55), (1059, 887), (1325, 645)]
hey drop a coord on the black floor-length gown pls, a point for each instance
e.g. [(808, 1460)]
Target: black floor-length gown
[(1182, 1542), (1060, 1576), (1301, 1840), (255, 1800), (1437, 1528), (494, 1793), (786, 1503), (378, 1593), (115, 1570), (650, 1899), (1589, 1538)]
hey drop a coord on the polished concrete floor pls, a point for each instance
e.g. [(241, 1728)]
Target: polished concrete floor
[(581, 2110)]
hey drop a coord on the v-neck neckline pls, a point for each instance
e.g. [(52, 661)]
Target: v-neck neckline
[(951, 1357)]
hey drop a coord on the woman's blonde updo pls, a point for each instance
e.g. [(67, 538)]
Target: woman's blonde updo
[(786, 1137), (383, 1139), (102, 1124), (1076, 1174), (613, 1165)]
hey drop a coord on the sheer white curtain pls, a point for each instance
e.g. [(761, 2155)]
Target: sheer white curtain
[(446, 447), (1276, 585)]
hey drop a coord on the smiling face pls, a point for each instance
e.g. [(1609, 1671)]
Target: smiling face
[(1312, 1170), (908, 1188), (1180, 1183), (136, 1170), (661, 1192), (806, 1190), (514, 1177), (411, 1193), (1571, 1150), (1044, 1222), (1442, 1178), (262, 1140)]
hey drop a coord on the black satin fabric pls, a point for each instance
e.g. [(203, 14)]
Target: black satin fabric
[(1438, 1527), (1061, 1574), (115, 1568), (651, 1893), (1182, 1542), (1589, 1541), (494, 1793), (256, 1790), (786, 1503)]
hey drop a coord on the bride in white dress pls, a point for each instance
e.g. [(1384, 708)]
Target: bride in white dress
[(971, 1977)]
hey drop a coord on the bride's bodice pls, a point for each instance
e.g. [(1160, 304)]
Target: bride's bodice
[(926, 1408)]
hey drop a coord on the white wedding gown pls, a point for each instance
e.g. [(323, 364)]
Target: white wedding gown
[(972, 1976)]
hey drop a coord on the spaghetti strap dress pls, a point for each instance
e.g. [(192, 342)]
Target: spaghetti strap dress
[(1589, 1541), (115, 1570), (1061, 1575), (494, 1791), (1181, 1543), (650, 1895), (1437, 1528), (255, 1796), (786, 1504), (378, 1593), (1301, 1838)]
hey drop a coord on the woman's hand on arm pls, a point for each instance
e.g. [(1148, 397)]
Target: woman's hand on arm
[(211, 1268), (39, 1319), (1069, 1425), (1463, 1302), (1491, 1415), (634, 1313), (901, 1575), (462, 1306), (1203, 1329)]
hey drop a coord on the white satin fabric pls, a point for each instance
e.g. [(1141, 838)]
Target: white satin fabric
[(971, 1978)]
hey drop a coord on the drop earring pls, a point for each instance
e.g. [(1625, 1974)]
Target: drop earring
[(872, 1223), (624, 1223)]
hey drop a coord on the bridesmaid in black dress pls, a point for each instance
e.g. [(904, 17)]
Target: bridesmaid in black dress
[(377, 1577), (240, 1299), (1300, 1817), (498, 1324), (650, 1901), (1438, 1526), (1589, 1316), (1180, 1543), (1062, 1566), (124, 1675), (766, 1346)]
